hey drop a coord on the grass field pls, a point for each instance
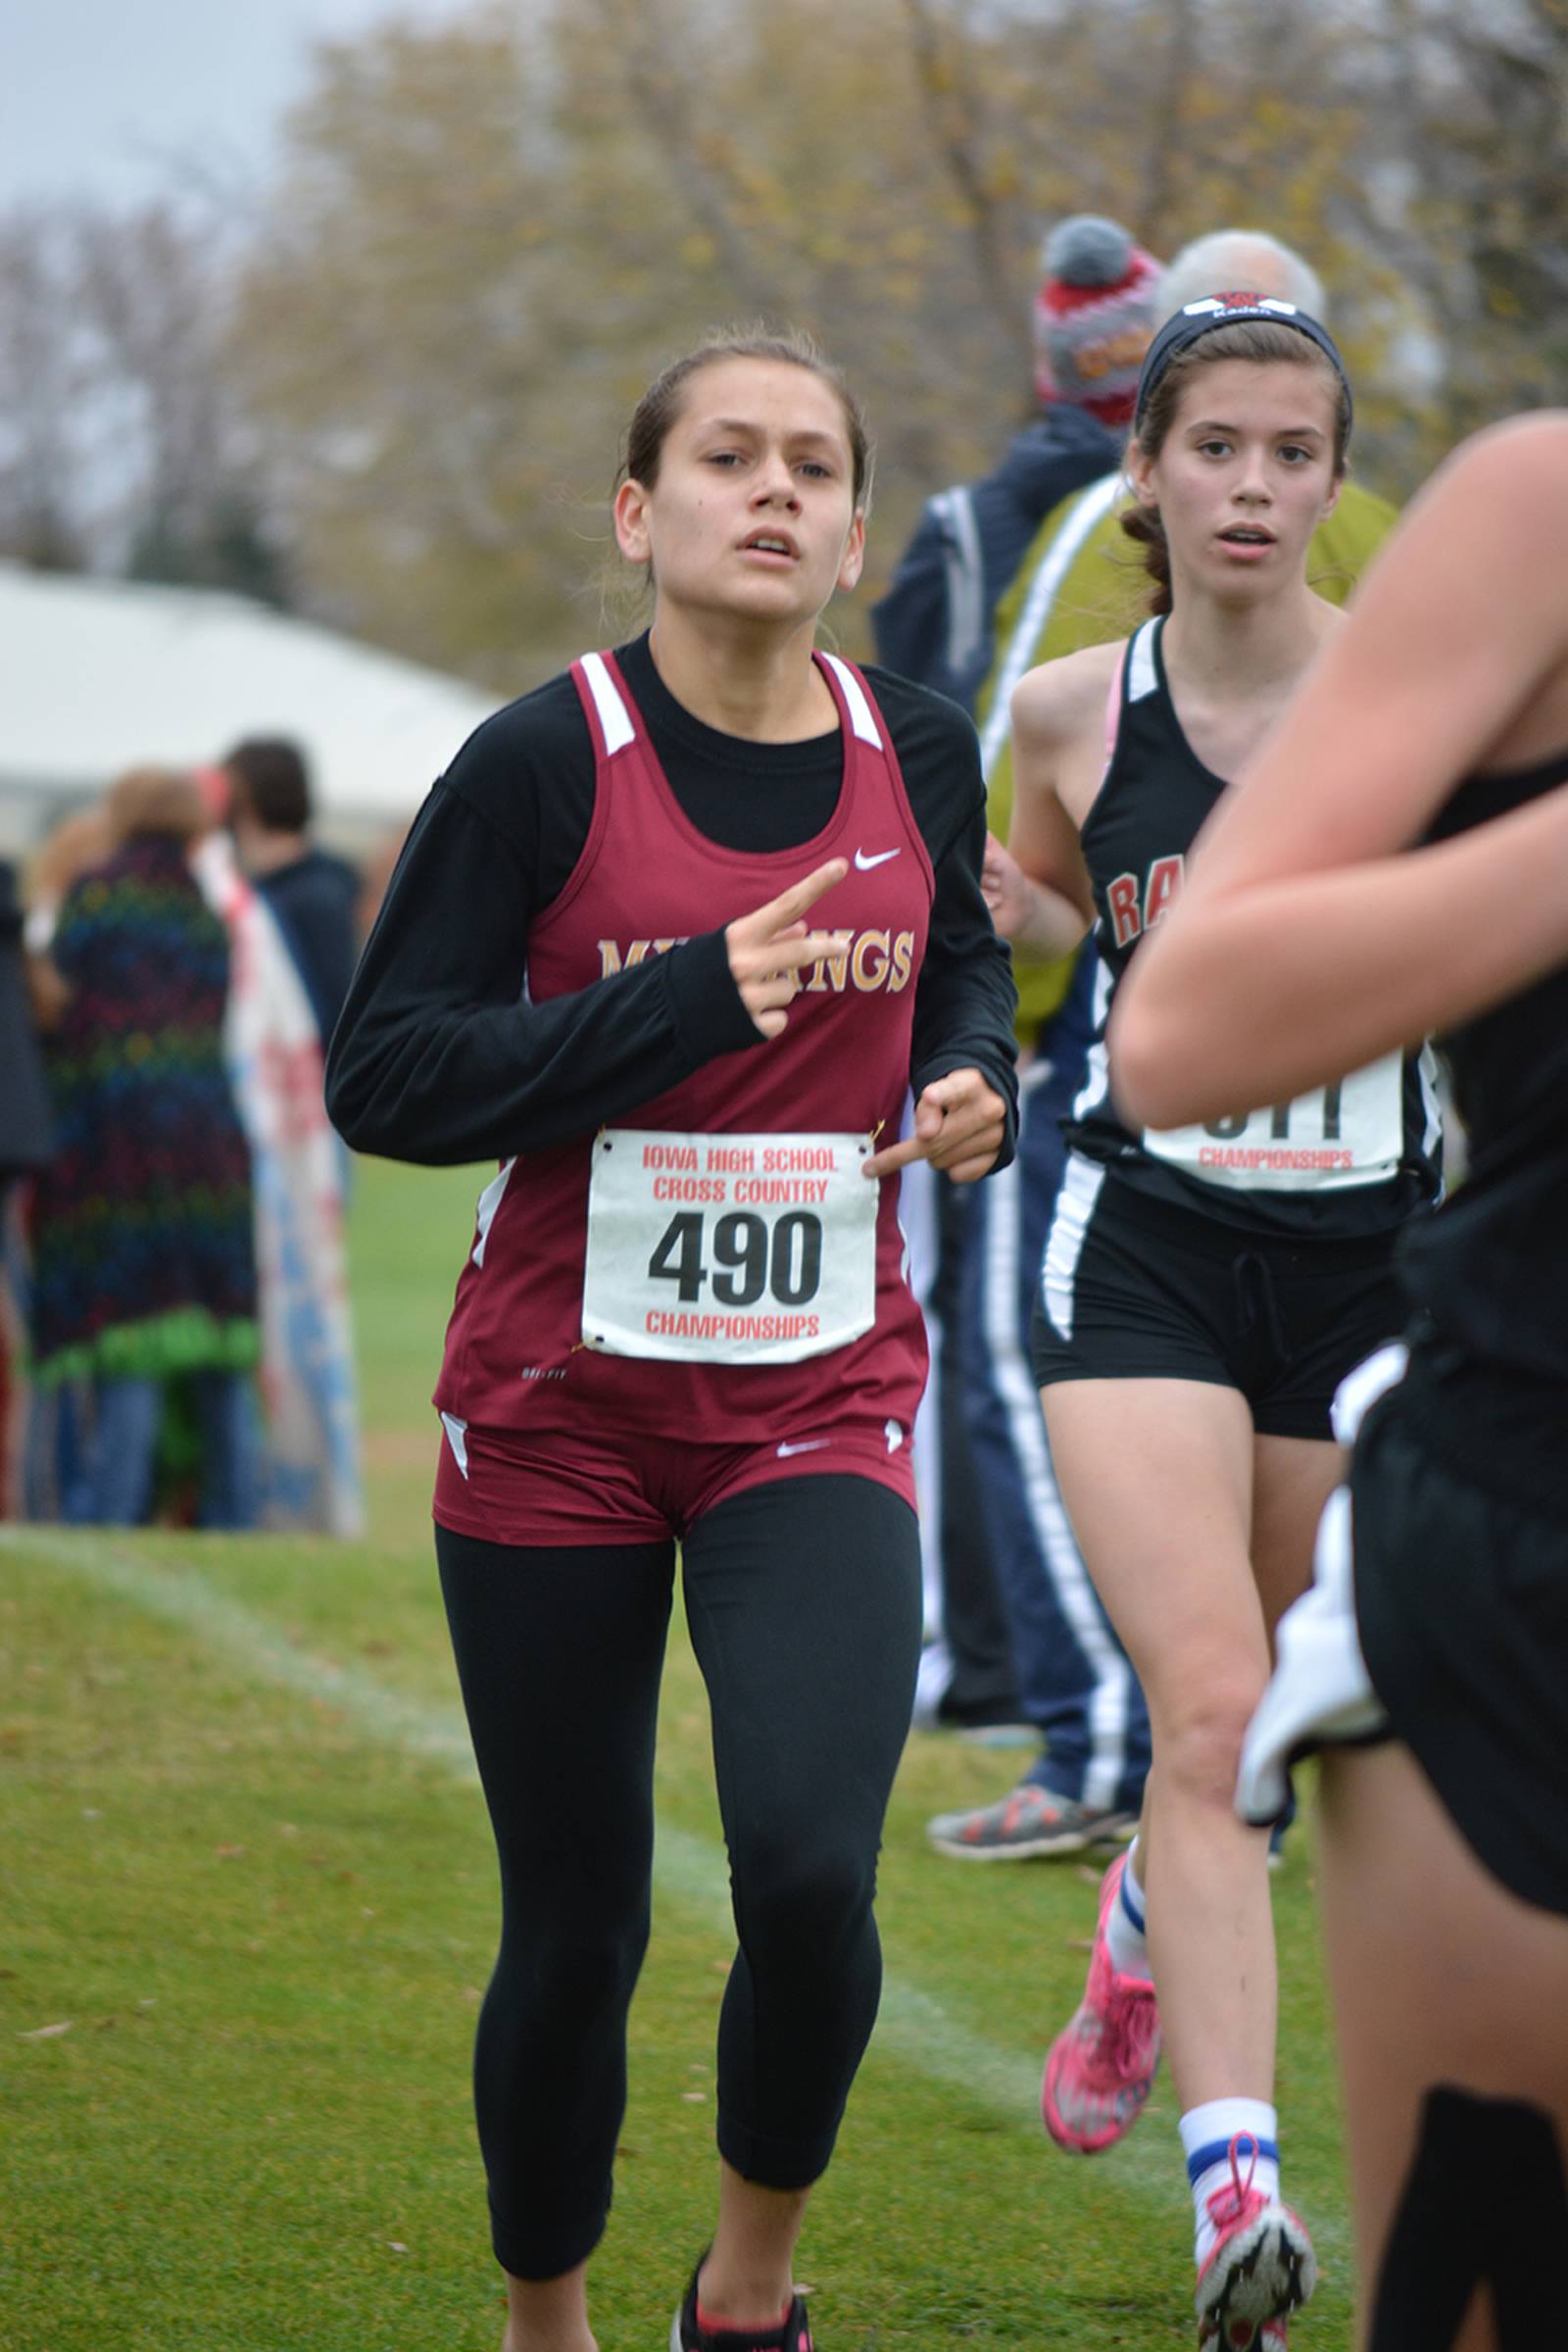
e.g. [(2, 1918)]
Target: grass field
[(246, 1908)]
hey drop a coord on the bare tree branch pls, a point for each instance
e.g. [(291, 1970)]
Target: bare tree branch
[(953, 112)]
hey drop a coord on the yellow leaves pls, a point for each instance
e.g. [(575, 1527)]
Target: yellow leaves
[(493, 231)]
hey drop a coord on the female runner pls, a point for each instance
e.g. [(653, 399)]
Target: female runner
[(1399, 863), (683, 1316), (1204, 1288)]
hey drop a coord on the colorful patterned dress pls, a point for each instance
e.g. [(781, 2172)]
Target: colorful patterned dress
[(143, 1258)]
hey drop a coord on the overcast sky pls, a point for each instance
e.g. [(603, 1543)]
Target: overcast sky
[(100, 98)]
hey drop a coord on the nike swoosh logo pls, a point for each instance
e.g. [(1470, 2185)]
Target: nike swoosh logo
[(864, 863), (806, 1446)]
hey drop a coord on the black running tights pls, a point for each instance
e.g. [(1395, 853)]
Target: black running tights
[(804, 1603)]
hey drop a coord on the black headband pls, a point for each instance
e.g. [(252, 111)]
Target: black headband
[(1199, 318)]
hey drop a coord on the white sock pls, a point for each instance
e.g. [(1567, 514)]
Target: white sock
[(1208, 2134), (1124, 1928)]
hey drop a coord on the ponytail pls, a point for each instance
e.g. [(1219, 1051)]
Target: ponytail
[(1144, 527)]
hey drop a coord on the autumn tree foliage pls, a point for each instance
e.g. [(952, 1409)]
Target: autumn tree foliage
[(123, 437), (487, 236)]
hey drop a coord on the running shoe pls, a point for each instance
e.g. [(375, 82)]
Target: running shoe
[(1261, 2269), (686, 2334), (1100, 2067), (1028, 1821)]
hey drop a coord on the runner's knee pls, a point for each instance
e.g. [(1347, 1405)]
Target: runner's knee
[(1200, 1721)]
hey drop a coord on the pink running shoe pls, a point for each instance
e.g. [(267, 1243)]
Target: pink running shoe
[(1100, 2067), (1261, 2266)]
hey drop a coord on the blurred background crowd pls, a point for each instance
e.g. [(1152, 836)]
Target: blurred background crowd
[(171, 1196)]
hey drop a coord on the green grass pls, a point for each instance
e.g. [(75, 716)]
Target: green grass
[(244, 1861)]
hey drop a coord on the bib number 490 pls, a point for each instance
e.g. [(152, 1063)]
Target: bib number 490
[(749, 1257)]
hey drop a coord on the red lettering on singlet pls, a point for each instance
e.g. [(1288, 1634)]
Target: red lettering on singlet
[(1122, 900)]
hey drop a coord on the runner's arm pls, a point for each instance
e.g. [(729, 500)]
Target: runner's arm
[(438, 1057), (1041, 880)]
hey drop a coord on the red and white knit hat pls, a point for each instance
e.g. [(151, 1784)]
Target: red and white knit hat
[(1098, 305)]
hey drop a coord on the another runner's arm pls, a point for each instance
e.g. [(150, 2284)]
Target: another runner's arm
[(1038, 887), (1311, 937), (437, 1056)]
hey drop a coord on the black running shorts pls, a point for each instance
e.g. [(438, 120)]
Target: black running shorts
[(1459, 1487), (1134, 1287)]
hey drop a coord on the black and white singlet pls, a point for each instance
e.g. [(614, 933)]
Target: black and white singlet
[(1460, 1474), (1493, 1269), (1355, 1159)]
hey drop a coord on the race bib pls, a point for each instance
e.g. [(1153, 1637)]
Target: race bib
[(728, 1248), (1350, 1133)]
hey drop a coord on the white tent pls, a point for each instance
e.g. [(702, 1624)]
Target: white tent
[(98, 675)]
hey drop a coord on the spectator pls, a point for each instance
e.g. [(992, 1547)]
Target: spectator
[(1097, 305), (1099, 301), (314, 896), (27, 1139), (58, 1415), (143, 1265), (311, 1468)]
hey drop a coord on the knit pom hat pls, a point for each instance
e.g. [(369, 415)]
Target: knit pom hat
[(1098, 305)]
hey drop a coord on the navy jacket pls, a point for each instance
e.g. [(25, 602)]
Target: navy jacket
[(934, 624)]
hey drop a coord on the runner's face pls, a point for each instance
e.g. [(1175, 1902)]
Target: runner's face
[(1246, 474), (753, 514)]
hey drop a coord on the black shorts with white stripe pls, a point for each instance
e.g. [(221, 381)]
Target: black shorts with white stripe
[(1135, 1288)]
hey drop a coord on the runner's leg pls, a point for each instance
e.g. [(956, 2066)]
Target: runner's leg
[(559, 1654), (1157, 1476), (803, 1601), (1440, 1977)]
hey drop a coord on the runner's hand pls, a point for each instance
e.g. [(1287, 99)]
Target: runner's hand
[(1006, 890), (959, 1122), (769, 949)]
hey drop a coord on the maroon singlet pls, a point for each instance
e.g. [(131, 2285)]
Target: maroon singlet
[(517, 1382)]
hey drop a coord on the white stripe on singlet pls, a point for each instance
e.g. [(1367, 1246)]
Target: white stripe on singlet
[(485, 1214), (614, 716), (1142, 675), (1431, 1103), (1096, 1067), (860, 719)]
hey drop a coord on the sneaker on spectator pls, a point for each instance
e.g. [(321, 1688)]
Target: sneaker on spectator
[(1101, 2068), (1029, 1821), (1260, 2268)]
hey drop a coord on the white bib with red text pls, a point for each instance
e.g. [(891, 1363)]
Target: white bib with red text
[(1350, 1133), (728, 1248)]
